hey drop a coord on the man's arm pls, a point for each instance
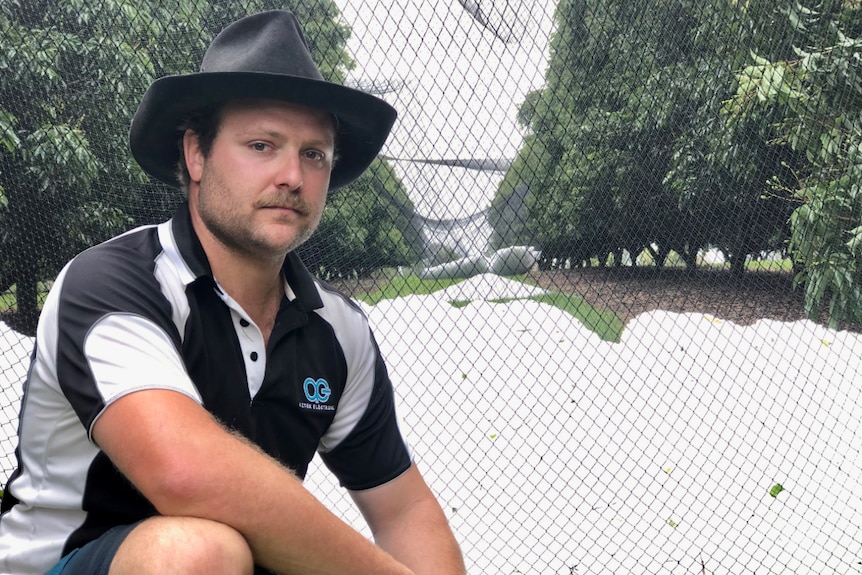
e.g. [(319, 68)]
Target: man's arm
[(187, 464), (407, 521)]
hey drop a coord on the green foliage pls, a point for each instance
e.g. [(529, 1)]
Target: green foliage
[(818, 91), (367, 225), (627, 149), (8, 138), (775, 490), (67, 179), (82, 66)]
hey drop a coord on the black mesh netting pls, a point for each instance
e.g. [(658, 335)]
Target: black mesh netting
[(611, 253)]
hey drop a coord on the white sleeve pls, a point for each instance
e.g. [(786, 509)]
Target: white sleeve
[(129, 353)]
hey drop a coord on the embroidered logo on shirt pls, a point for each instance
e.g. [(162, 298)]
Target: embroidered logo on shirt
[(317, 392)]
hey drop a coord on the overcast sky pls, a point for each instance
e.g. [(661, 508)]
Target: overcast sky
[(461, 85)]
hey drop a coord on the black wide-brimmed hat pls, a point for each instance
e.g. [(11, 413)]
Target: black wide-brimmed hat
[(260, 56)]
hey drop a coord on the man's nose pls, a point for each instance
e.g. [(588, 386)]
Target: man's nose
[(289, 173)]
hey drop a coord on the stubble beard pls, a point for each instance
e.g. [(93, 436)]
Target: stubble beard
[(235, 233)]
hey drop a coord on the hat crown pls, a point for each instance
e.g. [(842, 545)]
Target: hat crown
[(269, 42), (262, 56)]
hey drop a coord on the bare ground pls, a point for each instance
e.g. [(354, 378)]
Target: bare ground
[(629, 292)]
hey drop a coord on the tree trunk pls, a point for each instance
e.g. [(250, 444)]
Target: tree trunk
[(737, 265), (26, 297), (654, 255), (662, 257), (689, 256), (6, 282)]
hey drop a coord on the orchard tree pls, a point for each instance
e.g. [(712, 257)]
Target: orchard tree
[(365, 226), (73, 73), (508, 218), (623, 151), (553, 203), (816, 94), (720, 171), (601, 133)]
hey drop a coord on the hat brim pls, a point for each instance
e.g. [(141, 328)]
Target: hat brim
[(364, 120)]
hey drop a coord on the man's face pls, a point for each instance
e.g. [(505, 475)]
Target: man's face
[(262, 189)]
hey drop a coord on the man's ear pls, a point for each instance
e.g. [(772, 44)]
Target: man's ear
[(193, 157)]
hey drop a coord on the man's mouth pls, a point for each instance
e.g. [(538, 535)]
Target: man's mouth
[(299, 209)]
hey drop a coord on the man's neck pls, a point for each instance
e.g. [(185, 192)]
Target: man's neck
[(256, 284)]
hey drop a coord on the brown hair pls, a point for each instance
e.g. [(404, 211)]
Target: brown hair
[(205, 123)]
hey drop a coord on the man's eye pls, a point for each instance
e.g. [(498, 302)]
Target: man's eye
[(314, 155), (259, 147)]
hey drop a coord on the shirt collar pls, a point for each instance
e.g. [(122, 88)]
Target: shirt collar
[(189, 249)]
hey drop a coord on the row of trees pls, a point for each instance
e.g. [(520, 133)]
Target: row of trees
[(664, 125), (696, 123), (72, 75)]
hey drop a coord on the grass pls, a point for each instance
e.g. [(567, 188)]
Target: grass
[(674, 260), (605, 324), (401, 286), (785, 265), (9, 302)]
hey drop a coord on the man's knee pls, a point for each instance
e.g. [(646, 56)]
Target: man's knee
[(183, 545)]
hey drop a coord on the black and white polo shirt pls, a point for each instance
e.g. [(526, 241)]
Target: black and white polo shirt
[(143, 311)]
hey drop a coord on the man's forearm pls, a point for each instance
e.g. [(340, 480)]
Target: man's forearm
[(299, 537), (408, 522), (424, 542), (188, 465), (287, 528)]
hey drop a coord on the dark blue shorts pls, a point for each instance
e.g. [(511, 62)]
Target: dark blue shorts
[(95, 557)]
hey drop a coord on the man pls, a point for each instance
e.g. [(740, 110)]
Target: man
[(185, 374)]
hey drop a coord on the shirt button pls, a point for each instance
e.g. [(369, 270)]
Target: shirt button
[(243, 322), (253, 356)]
